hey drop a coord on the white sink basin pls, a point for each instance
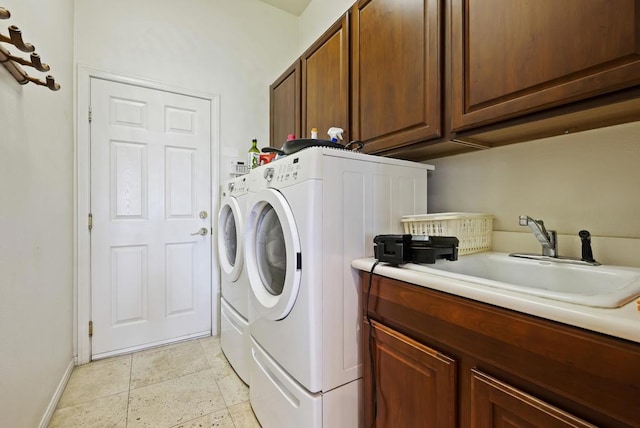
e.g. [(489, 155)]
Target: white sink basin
[(597, 286)]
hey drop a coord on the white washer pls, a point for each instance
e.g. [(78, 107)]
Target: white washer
[(234, 301), (312, 214)]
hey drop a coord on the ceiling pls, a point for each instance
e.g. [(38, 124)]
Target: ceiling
[(295, 7)]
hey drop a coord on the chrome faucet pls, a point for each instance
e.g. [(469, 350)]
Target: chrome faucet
[(549, 241), (547, 238)]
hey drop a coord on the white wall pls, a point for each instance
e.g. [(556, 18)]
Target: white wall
[(317, 18), (36, 217), (234, 48), (588, 180)]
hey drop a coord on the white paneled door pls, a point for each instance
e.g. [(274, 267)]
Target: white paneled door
[(150, 203)]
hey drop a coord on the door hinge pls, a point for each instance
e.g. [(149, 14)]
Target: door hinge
[(90, 328), (89, 113), (90, 221)]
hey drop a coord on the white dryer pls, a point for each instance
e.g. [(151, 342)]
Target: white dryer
[(234, 301), (312, 214)]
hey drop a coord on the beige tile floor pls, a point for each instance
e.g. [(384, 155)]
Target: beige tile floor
[(189, 384)]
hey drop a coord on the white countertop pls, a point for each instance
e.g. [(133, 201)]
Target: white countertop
[(623, 322)]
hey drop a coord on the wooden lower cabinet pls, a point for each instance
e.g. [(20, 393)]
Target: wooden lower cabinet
[(415, 385), (497, 404), (431, 359)]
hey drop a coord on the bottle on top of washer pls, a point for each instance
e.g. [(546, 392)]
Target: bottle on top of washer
[(335, 134), (253, 156), (314, 133)]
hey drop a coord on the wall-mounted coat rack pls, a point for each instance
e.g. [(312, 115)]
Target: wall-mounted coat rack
[(12, 63)]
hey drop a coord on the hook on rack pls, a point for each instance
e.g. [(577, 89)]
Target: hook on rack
[(15, 38), (15, 35), (50, 83), (35, 62), (38, 64)]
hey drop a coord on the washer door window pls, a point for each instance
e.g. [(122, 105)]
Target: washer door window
[(230, 244), (273, 254)]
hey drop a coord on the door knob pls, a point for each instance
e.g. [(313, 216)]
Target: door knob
[(203, 231)]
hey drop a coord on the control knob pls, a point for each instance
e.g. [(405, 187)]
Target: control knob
[(268, 174)]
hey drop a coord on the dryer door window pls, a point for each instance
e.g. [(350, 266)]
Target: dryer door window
[(229, 237), (230, 242), (272, 254)]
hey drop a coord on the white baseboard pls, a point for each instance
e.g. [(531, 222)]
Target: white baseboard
[(46, 418)]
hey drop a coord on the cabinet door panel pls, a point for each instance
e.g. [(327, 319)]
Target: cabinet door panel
[(284, 100), (496, 404), (415, 385), (396, 72), (325, 82), (510, 57)]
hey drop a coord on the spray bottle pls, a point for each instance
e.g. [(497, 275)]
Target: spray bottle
[(335, 134)]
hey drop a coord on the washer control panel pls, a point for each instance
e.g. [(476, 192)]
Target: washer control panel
[(236, 187), (308, 164), (284, 173)]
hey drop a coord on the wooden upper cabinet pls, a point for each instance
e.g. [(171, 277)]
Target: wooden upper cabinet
[(510, 58), (396, 78), (284, 106), (325, 82)]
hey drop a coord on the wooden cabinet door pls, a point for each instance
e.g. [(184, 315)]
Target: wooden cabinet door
[(512, 57), (325, 82), (284, 106), (414, 384), (497, 404), (396, 79)]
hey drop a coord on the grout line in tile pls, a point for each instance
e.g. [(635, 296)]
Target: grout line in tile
[(204, 352), (160, 349), (167, 380), (126, 416)]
